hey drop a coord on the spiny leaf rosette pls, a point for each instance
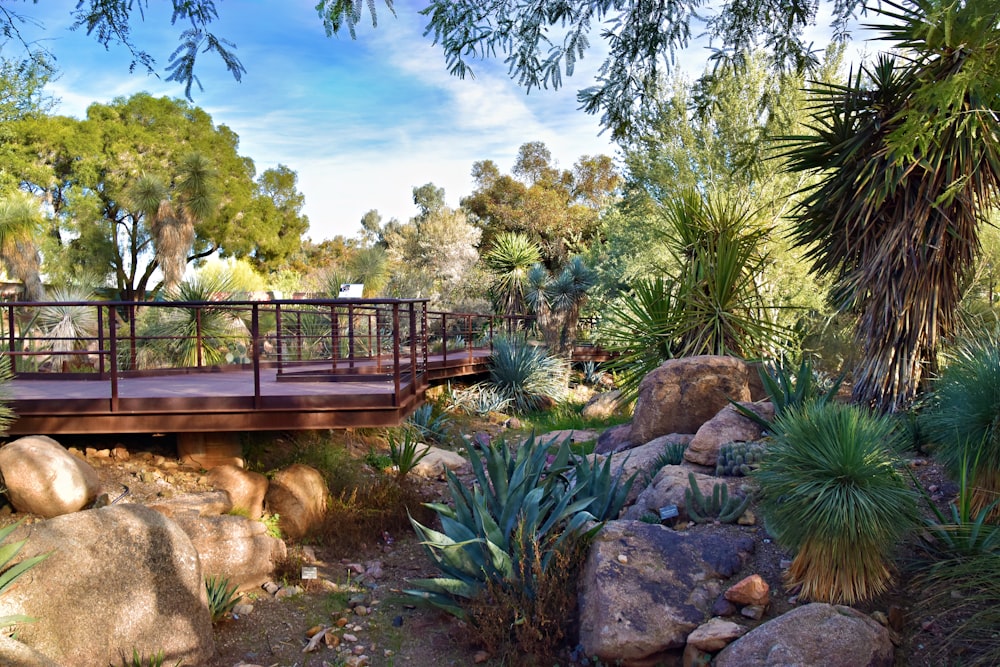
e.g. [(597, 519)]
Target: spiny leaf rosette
[(908, 158), (834, 493)]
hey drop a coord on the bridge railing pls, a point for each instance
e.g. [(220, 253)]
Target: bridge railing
[(110, 340)]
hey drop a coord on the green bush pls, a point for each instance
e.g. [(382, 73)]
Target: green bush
[(526, 374), (833, 493), (963, 408), (529, 511)]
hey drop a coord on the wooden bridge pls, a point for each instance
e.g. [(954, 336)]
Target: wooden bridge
[(225, 366)]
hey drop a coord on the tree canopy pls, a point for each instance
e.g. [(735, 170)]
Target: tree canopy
[(540, 42)]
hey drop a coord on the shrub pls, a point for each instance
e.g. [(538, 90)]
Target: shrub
[(526, 374), (406, 454), (516, 532), (962, 408), (832, 493)]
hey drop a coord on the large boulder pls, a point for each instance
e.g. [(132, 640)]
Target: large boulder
[(43, 478), (246, 488), (728, 425), (233, 547), (614, 439), (682, 394), (815, 634), (645, 587), (299, 496), (668, 488), (117, 578)]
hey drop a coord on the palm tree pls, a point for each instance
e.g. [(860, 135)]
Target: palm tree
[(173, 212), (20, 223), (908, 157)]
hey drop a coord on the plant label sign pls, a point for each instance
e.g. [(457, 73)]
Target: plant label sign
[(309, 573)]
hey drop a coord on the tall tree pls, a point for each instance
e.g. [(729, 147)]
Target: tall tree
[(556, 209), (908, 157), (90, 173)]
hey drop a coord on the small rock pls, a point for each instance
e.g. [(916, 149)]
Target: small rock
[(341, 622), (752, 590), (350, 638), (332, 640), (361, 610), (358, 650), (880, 617), (243, 609), (287, 592), (120, 454), (313, 631), (723, 607), (748, 518), (623, 559), (513, 423), (357, 661), (271, 587), (309, 554), (480, 657), (755, 612)]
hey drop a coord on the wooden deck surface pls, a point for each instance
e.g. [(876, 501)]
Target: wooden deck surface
[(207, 401)]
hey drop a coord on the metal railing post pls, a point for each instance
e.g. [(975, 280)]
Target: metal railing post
[(255, 342), (395, 353), (278, 347), (12, 339), (113, 344)]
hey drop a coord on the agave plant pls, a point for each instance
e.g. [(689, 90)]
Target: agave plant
[(10, 573), (526, 504), (833, 493), (526, 374), (789, 388)]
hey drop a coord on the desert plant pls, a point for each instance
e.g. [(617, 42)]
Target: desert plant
[(430, 422), (526, 374), (966, 592), (479, 399), (672, 455), (528, 505), (719, 507), (222, 596), (789, 388), (966, 532), (68, 326), (739, 459), (834, 494), (9, 574), (961, 408), (142, 660), (406, 453)]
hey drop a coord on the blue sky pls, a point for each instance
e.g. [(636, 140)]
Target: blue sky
[(361, 121)]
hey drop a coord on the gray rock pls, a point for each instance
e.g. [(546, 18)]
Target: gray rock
[(43, 478), (682, 394), (645, 587), (117, 578), (614, 439), (641, 461), (212, 503), (815, 634), (602, 405), (15, 654)]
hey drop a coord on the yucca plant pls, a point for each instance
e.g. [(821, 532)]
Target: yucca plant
[(509, 260), (962, 408), (526, 374), (68, 326), (908, 159), (833, 492), (526, 505)]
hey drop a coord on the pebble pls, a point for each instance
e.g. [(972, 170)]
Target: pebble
[(623, 559), (357, 661), (341, 622), (361, 610), (271, 587), (287, 592), (480, 657), (350, 638), (753, 611), (243, 608)]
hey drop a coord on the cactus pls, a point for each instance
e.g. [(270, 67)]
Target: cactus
[(720, 507), (738, 459)]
